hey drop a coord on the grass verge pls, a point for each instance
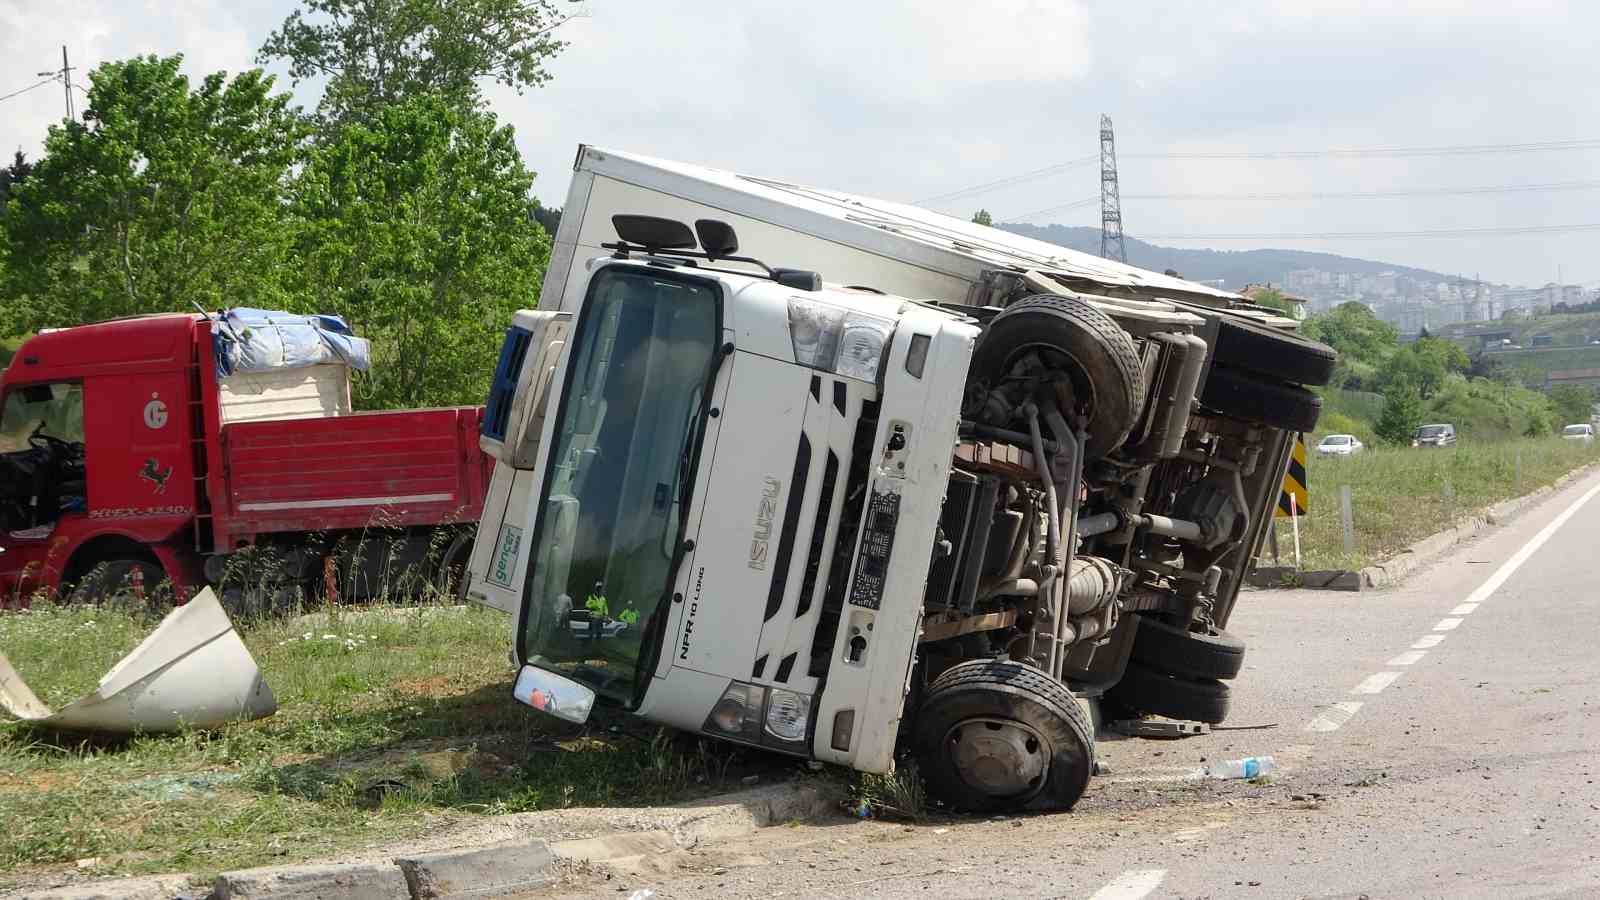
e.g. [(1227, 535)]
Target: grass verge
[(391, 721), (1398, 495)]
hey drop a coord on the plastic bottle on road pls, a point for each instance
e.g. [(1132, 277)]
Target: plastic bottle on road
[(1249, 767)]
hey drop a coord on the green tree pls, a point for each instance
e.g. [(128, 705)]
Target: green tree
[(418, 227), (173, 195), (1424, 364), (1272, 298), (1355, 332), (1402, 413), (375, 53), (1572, 403), (982, 217)]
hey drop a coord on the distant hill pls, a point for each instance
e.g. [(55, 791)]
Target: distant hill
[(1236, 268)]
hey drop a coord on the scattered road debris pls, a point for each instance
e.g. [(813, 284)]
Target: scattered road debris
[(193, 671)]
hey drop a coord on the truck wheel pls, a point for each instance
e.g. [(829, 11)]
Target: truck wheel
[(112, 582), (1212, 653), (1273, 353), (451, 578), (1240, 395), (1095, 354), (996, 735), (1146, 690)]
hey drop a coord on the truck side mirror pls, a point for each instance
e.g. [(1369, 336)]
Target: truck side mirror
[(717, 239), (513, 419)]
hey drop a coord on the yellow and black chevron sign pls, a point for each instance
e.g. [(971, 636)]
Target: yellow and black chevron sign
[(1294, 482)]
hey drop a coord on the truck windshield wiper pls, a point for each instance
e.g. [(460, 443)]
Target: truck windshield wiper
[(686, 464), (693, 434)]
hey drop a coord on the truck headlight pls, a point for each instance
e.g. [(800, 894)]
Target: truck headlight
[(787, 715), (838, 340), (738, 713)]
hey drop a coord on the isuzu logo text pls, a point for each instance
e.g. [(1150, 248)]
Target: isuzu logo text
[(765, 511)]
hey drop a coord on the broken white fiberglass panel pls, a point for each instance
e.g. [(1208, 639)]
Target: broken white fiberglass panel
[(193, 671)]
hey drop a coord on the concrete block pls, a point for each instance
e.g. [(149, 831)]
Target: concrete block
[(486, 872), (338, 881)]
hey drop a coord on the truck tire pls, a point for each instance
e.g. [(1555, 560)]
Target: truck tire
[(1241, 395), (1146, 690), (995, 735), (1102, 362), (112, 582), (1213, 653), (1273, 353)]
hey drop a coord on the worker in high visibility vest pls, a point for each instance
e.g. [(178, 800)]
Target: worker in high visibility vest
[(599, 609)]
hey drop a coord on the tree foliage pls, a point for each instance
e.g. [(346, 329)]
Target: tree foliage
[(375, 53), (1424, 363), (1355, 332), (1402, 413), (982, 217), (418, 227), (16, 173), (1572, 403), (170, 197)]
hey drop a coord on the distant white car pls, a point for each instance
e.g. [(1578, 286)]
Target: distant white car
[(1340, 445), (1583, 433)]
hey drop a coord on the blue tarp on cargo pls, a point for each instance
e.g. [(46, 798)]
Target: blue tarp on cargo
[(260, 340)]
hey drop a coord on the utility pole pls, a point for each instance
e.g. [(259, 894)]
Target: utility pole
[(65, 74), (1111, 246)]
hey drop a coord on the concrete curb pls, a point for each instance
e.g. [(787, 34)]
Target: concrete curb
[(483, 863), (1395, 569)]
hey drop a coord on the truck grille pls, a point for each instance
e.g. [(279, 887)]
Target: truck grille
[(806, 590), (503, 390)]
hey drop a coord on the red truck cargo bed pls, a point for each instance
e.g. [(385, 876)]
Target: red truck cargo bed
[(407, 467)]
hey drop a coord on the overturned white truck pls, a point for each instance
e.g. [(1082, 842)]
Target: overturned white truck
[(905, 486)]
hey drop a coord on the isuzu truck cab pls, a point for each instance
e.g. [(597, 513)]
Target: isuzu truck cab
[(748, 502)]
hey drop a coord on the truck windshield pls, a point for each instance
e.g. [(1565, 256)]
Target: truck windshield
[(623, 443), (52, 410)]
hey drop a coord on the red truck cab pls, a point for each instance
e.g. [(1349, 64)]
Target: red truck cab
[(123, 451)]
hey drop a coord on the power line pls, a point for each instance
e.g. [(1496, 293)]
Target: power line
[(1013, 179), (1383, 152), (1361, 235), (1330, 195), (1335, 153), (50, 80)]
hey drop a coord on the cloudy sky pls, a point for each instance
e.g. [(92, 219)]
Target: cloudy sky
[(914, 100)]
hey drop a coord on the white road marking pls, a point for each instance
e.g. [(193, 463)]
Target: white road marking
[(1532, 546), (1131, 885), (1337, 715), (1374, 684), (1334, 716)]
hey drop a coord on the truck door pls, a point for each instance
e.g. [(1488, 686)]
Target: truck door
[(136, 431)]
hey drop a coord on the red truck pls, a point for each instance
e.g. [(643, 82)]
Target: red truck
[(127, 458)]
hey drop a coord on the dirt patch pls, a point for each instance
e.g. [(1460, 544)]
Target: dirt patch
[(437, 686), (38, 781)]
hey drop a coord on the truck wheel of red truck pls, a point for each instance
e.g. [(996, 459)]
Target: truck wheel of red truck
[(994, 735), (115, 581)]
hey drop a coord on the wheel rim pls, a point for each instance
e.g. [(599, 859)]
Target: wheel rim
[(1003, 758)]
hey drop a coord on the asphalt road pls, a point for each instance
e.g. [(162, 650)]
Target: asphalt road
[(1441, 739)]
